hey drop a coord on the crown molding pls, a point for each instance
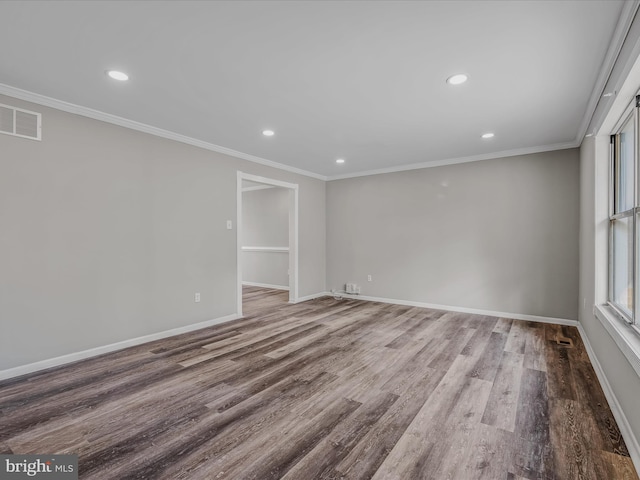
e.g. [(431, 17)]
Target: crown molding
[(453, 161), (142, 127), (620, 33)]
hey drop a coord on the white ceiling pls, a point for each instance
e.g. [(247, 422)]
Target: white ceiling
[(364, 81)]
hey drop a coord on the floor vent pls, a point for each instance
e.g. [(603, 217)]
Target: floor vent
[(564, 342), (20, 123)]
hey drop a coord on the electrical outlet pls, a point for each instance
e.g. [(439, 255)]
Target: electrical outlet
[(369, 279), (196, 297)]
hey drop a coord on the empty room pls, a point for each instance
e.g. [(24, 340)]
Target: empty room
[(320, 240)]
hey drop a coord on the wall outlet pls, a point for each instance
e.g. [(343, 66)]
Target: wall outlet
[(369, 278), (196, 297)]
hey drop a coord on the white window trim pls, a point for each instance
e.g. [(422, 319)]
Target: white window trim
[(623, 334)]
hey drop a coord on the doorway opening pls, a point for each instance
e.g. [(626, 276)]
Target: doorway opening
[(268, 262)]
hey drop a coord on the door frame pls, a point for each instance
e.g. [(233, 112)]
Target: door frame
[(293, 232)]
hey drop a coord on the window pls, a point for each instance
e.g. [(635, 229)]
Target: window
[(624, 221)]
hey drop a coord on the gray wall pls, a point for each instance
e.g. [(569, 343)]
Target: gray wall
[(498, 235), (593, 267), (108, 232), (265, 223)]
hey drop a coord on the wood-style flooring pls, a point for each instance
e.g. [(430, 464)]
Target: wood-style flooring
[(328, 389)]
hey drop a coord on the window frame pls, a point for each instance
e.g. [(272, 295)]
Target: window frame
[(631, 114)]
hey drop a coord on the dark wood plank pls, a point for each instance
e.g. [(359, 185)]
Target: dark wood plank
[(590, 396), (533, 457), (559, 371), (570, 439)]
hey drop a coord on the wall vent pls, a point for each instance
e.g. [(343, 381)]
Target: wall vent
[(20, 123)]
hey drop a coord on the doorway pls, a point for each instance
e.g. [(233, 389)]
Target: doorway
[(291, 204)]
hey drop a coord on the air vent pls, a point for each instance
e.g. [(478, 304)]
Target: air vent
[(20, 123), (564, 341)]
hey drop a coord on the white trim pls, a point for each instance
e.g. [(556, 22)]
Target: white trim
[(627, 340), (313, 296), (265, 285), (93, 352), (453, 161), (623, 104), (141, 127), (268, 181), (626, 116), (294, 246), (615, 46), (475, 311), (625, 428), (14, 133), (266, 249), (293, 232), (239, 242), (257, 187)]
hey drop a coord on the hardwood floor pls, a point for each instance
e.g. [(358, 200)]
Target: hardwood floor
[(328, 389)]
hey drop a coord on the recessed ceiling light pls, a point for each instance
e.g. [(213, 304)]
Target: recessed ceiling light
[(340, 160), (488, 135), (457, 79), (116, 75), (268, 133)]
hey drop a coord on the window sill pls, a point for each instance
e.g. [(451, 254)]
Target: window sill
[(627, 339)]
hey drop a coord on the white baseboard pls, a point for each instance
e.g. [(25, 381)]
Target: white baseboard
[(266, 285), (625, 428), (92, 352), (475, 311), (311, 297)]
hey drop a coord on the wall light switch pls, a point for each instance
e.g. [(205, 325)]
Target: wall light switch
[(229, 224), (196, 297)]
